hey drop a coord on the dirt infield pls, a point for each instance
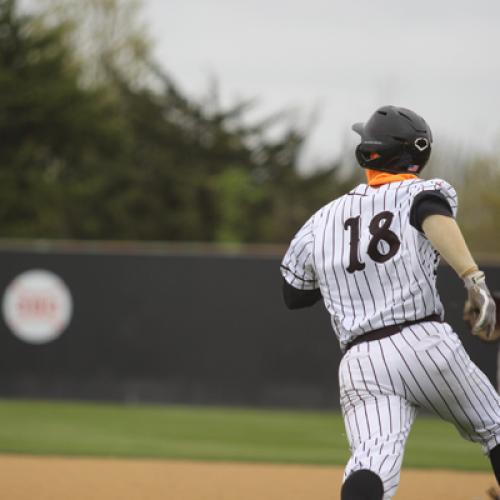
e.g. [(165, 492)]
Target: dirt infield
[(40, 478)]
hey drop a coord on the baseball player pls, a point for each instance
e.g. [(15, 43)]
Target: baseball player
[(372, 255)]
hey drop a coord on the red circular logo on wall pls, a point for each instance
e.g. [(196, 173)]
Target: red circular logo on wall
[(37, 306)]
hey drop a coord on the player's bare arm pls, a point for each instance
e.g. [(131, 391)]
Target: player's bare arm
[(445, 235)]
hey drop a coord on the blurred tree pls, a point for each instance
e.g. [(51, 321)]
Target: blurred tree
[(479, 204), (55, 135), (92, 151), (102, 33), (211, 175)]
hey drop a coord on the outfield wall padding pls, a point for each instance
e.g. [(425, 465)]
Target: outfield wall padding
[(187, 329)]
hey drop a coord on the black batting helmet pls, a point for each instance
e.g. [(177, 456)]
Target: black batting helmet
[(394, 140)]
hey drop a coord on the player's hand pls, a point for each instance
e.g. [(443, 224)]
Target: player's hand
[(480, 308)]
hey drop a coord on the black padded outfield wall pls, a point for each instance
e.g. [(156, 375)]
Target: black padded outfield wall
[(202, 329)]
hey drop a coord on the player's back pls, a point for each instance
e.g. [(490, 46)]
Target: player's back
[(374, 268)]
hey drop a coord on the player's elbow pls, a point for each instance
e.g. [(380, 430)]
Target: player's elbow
[(298, 299), (293, 303)]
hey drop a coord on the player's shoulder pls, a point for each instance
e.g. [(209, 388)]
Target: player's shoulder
[(359, 190), (435, 184), (441, 186), (323, 214)]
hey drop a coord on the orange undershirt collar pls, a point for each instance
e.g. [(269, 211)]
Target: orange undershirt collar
[(377, 178)]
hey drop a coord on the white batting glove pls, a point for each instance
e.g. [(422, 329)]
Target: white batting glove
[(480, 308)]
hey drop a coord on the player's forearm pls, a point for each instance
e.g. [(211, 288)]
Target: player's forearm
[(445, 235)]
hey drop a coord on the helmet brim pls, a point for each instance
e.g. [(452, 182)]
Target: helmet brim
[(359, 128)]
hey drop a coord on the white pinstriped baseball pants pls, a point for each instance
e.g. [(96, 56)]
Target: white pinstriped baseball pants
[(384, 382)]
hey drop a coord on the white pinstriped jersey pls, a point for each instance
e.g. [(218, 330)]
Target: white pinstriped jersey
[(373, 268)]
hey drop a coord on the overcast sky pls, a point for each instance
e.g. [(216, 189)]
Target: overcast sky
[(343, 58)]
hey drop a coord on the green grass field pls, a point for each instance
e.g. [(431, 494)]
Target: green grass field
[(180, 432)]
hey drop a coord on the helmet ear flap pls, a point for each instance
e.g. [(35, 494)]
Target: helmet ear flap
[(365, 157), (362, 156)]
